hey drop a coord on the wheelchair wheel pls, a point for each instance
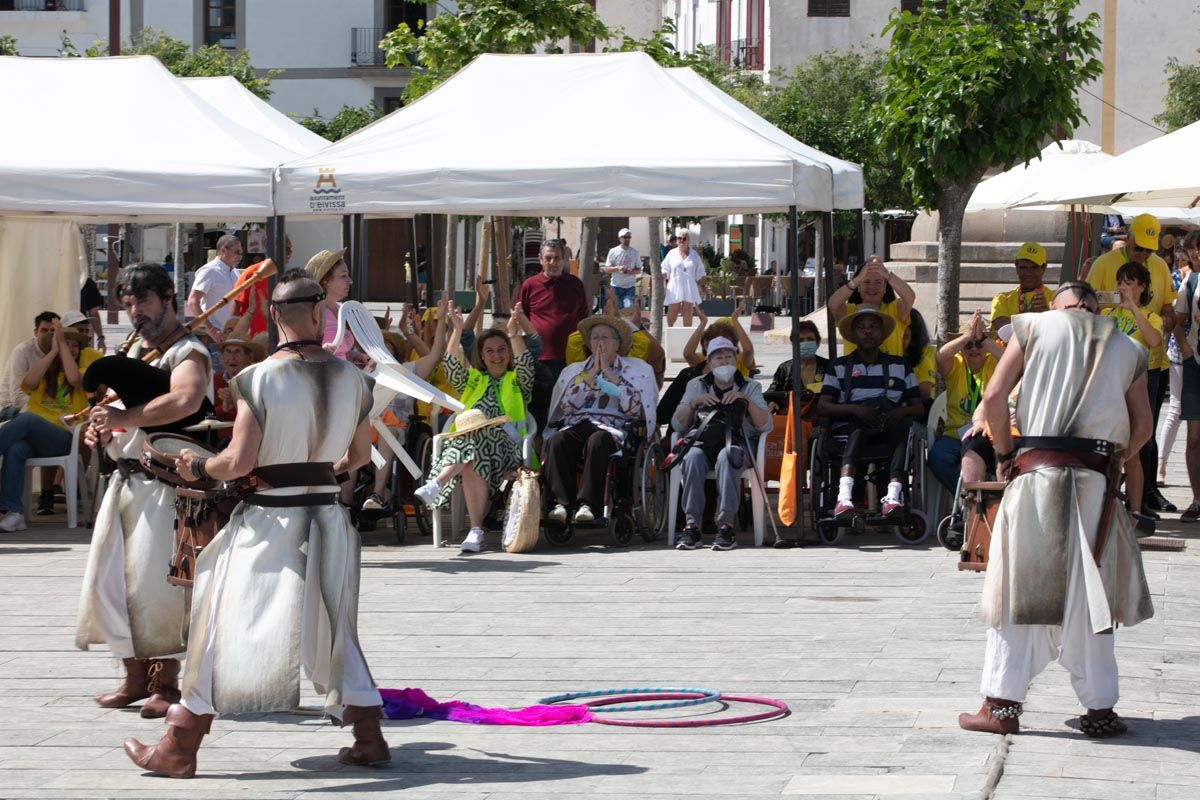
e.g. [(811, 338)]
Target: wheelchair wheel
[(622, 529), (558, 535), (423, 455), (948, 537), (912, 529), (651, 510), (829, 532)]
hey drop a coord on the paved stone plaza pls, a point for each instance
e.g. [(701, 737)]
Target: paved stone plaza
[(875, 646)]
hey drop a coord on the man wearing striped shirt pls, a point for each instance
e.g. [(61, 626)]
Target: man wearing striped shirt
[(872, 398)]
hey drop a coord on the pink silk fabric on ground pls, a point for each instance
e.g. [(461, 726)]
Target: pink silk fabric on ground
[(412, 703)]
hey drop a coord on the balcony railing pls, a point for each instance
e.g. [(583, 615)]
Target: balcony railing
[(43, 5), (364, 47), (741, 54)]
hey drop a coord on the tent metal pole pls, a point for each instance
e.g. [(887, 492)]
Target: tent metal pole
[(793, 262), (277, 246), (358, 258), (415, 297), (827, 255)]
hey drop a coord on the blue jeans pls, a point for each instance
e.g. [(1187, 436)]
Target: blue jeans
[(626, 297), (945, 459), (26, 436)]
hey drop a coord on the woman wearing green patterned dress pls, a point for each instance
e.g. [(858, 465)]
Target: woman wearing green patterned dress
[(498, 382)]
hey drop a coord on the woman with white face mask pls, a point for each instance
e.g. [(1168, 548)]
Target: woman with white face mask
[(727, 414)]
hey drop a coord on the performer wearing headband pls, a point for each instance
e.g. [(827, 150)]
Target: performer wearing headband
[(277, 590), (126, 601)]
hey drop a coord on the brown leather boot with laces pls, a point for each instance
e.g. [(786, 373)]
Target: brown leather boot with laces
[(370, 749), (163, 685), (132, 689), (994, 716)]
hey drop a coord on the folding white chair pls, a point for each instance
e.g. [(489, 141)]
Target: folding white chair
[(456, 504), (72, 486), (936, 495), (751, 477)]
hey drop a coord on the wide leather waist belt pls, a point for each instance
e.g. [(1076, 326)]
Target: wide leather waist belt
[(300, 473), (290, 500), (1039, 458), (1074, 444)]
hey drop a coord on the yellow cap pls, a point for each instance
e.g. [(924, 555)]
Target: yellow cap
[(1032, 251), (1145, 230)]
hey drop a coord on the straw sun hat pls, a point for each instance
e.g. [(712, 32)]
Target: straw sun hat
[(319, 265), (846, 326), (473, 420), (618, 325)]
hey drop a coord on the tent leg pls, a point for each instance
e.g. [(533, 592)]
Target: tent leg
[(793, 262), (277, 244)]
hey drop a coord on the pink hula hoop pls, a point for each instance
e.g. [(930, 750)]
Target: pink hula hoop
[(778, 709)]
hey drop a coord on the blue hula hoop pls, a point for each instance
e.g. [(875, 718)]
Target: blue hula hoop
[(701, 696)]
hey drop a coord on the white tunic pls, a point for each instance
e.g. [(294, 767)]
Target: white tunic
[(126, 601), (681, 273), (277, 590)]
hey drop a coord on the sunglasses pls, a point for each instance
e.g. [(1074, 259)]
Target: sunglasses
[(976, 345)]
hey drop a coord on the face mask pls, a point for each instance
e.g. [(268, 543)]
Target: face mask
[(808, 349), (725, 372)]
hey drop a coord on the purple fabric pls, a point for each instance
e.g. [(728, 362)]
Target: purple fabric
[(410, 703)]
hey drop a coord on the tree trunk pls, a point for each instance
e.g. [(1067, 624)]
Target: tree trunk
[(587, 256), (656, 281), (951, 205), (502, 252), (451, 280)]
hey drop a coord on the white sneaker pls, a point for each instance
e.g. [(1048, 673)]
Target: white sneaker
[(474, 541), (428, 493), (12, 521), (584, 514), (558, 513)]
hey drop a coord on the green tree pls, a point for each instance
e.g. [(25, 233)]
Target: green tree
[(1181, 106), (982, 85), (448, 42), (8, 45), (344, 122), (180, 60)]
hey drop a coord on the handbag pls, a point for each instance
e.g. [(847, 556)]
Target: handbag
[(521, 523), (789, 471)]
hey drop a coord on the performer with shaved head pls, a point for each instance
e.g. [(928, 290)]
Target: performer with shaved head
[(277, 590)]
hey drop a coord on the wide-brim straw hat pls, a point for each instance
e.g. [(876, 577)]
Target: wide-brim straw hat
[(396, 340), (257, 350), (319, 265), (74, 335), (473, 420), (846, 326), (617, 324)]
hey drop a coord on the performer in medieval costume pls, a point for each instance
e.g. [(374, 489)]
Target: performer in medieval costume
[(277, 590), (1063, 567), (126, 601)]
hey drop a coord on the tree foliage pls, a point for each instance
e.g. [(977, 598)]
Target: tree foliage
[(982, 85), (179, 59), (450, 41), (344, 122), (1181, 106), (8, 45)]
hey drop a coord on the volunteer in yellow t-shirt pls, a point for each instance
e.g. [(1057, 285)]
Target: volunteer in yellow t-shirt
[(967, 364), (875, 286), (1031, 293), (1142, 249), (55, 387)]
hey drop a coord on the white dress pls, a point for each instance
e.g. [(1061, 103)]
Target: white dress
[(276, 592), (681, 273)]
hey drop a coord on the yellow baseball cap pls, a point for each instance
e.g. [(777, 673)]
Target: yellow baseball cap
[(1145, 230), (1032, 251)]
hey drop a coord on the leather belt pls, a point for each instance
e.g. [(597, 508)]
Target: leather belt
[(132, 466), (299, 473), (289, 500), (1040, 458)]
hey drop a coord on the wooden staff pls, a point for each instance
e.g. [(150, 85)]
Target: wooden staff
[(258, 272)]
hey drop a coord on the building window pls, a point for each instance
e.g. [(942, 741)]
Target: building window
[(411, 14), (391, 103), (220, 23), (829, 8), (583, 47), (914, 6)]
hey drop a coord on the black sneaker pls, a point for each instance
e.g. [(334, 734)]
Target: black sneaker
[(689, 539), (1156, 502), (725, 539), (45, 504)]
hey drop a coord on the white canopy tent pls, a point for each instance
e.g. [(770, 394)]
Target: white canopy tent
[(468, 148), (243, 106), (1061, 163), (848, 191), (1164, 173), (182, 160)]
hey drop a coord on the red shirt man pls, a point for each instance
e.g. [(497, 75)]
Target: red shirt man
[(555, 302)]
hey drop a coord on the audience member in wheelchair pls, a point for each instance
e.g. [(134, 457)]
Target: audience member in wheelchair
[(594, 400), (921, 356), (966, 363), (721, 411), (641, 344), (812, 366), (872, 398), (495, 389)]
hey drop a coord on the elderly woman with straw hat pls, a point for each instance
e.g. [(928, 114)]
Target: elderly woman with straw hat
[(482, 448), (594, 400)]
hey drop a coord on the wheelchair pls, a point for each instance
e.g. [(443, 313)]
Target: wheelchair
[(909, 523), (635, 494)]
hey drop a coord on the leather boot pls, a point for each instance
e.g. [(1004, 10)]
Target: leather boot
[(174, 755), (163, 684), (369, 750), (994, 716), (132, 689)]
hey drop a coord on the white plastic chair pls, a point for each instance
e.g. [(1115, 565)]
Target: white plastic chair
[(72, 486), (391, 378), (751, 477), (456, 504), (935, 493)]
